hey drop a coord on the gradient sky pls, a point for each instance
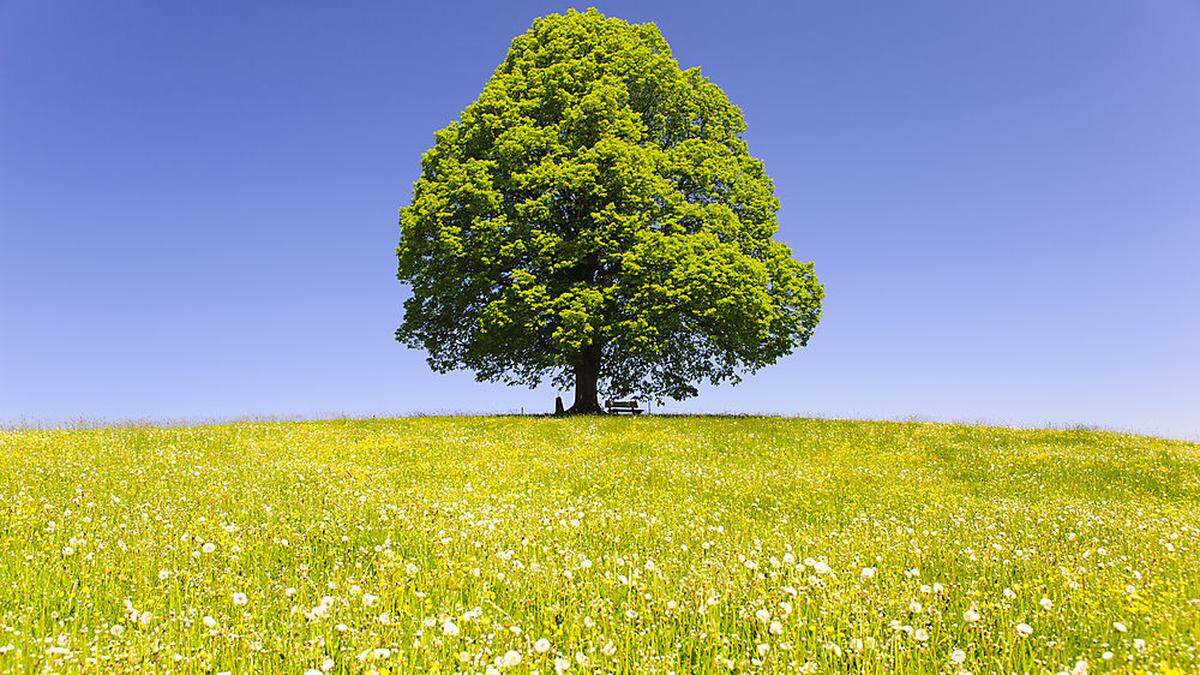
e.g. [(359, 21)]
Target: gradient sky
[(198, 203)]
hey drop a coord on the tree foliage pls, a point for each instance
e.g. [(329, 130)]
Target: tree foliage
[(596, 218)]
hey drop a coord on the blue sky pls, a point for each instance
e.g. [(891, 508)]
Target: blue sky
[(198, 203)]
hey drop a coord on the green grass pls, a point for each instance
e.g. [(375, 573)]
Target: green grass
[(648, 544)]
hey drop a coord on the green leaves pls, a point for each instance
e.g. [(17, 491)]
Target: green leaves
[(595, 195)]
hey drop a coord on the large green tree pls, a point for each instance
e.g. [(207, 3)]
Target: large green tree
[(595, 218)]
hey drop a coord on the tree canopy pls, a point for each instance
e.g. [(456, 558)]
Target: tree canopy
[(595, 218)]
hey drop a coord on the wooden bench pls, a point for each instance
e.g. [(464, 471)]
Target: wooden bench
[(619, 407)]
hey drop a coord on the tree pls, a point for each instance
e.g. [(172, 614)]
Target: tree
[(595, 218)]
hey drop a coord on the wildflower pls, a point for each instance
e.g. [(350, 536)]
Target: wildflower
[(856, 644), (240, 599), (776, 628), (542, 646), (1024, 629), (1139, 644), (209, 621), (1107, 656), (450, 628), (763, 615), (609, 649), (867, 573), (1120, 627), (921, 635), (958, 657), (1046, 604), (1010, 594), (511, 658), (370, 600), (163, 574), (971, 615), (915, 607), (208, 547), (762, 649)]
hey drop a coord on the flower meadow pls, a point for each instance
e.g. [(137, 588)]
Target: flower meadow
[(653, 544)]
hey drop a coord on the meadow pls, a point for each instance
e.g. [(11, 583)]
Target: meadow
[(654, 544)]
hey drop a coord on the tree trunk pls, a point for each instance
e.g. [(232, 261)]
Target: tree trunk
[(587, 376)]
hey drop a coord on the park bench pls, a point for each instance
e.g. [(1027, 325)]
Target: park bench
[(618, 407)]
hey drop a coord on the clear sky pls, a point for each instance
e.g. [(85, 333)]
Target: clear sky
[(198, 203)]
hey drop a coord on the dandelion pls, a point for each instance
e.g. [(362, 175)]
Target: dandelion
[(776, 628), (971, 615), (240, 599), (1046, 604), (867, 573), (1120, 627), (915, 607), (1010, 594), (762, 649), (763, 615), (541, 646), (209, 621), (921, 635), (609, 649), (164, 574), (208, 547), (958, 657), (1024, 629), (370, 600), (450, 628)]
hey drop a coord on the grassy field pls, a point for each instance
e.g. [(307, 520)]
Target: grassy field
[(650, 544)]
